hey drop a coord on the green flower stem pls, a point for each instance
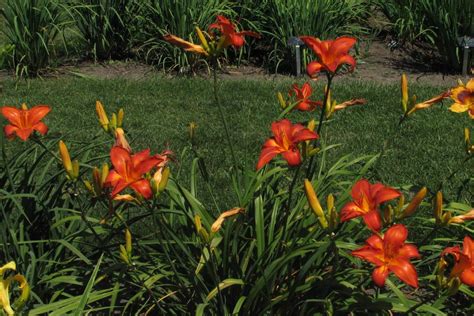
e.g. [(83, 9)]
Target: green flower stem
[(311, 165), (221, 112)]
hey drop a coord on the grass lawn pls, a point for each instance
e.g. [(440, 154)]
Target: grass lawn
[(427, 148)]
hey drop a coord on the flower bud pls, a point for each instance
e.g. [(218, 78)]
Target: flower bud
[(128, 241), (113, 121), (164, 179), (66, 159), (404, 93), (453, 286), (282, 101), (415, 203), (202, 39), (314, 203), (103, 119), (387, 215), (192, 130), (75, 169), (120, 117), (438, 207)]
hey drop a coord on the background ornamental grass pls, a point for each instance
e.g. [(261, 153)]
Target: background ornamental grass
[(47, 33)]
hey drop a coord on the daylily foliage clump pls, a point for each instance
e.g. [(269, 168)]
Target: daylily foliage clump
[(118, 232)]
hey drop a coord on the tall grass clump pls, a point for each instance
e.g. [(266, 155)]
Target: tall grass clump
[(106, 27), (438, 22), (178, 18), (32, 27)]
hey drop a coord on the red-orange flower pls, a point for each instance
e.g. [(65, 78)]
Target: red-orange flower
[(464, 261), (23, 121), (129, 170), (302, 96), (331, 54), (229, 34), (366, 199), (286, 137), (390, 254), (463, 97)]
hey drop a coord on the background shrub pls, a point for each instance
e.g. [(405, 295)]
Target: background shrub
[(106, 26), (439, 22), (32, 27)]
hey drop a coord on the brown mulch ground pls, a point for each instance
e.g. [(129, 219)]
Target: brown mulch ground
[(377, 63)]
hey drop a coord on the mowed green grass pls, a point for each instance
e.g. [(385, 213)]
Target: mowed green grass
[(425, 150)]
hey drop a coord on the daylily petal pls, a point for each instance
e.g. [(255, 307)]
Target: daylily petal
[(373, 220), (348, 60), (303, 135), (268, 153), (379, 275), (24, 133), (467, 277), (143, 188), (36, 113), (293, 157), (342, 45), (370, 254), (459, 107), (41, 128), (313, 68), (12, 114), (119, 186), (350, 211), (395, 236), (386, 194), (405, 271), (10, 131), (408, 252), (360, 188), (120, 158)]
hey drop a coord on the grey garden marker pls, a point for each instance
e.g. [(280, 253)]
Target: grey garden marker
[(297, 43), (466, 43)]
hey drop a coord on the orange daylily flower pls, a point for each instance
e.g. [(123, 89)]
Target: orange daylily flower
[(302, 96), (229, 35), (286, 137), (366, 199), (24, 121), (464, 261), (463, 97), (390, 254), (129, 170), (331, 54)]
